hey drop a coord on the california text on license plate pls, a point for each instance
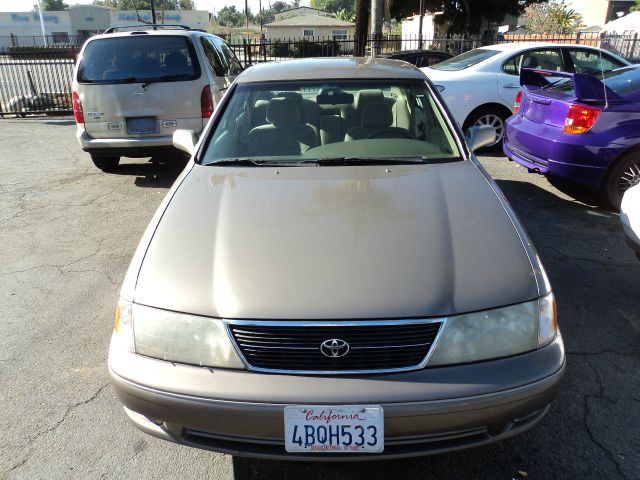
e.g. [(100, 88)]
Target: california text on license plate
[(329, 429)]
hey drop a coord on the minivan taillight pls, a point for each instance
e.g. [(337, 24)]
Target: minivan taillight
[(516, 106), (206, 102), (580, 119), (77, 108)]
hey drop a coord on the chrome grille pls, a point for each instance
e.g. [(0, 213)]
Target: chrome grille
[(374, 346)]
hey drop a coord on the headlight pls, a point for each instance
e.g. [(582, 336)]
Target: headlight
[(178, 337), (496, 333)]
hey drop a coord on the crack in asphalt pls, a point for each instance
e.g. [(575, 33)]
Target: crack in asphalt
[(585, 420), (571, 258), (26, 210), (604, 352), (68, 410)]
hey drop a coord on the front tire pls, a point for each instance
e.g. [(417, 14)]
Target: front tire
[(106, 164), (493, 116), (624, 174)]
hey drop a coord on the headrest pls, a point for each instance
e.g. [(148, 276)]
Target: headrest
[(297, 96), (176, 61), (283, 110), (378, 114), (368, 96)]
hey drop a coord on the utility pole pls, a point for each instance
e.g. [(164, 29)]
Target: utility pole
[(260, 10), (376, 26), (420, 26), (153, 12), (44, 31), (246, 15)]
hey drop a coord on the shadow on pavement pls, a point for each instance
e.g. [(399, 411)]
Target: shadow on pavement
[(577, 192), (158, 172), (61, 123), (590, 269)]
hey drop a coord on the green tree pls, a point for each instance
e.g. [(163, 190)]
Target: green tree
[(334, 6), (146, 4), (464, 16), (344, 15), (636, 7), (231, 17), (51, 5), (554, 17)]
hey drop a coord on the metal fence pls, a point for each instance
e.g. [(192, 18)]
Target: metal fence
[(34, 81), (35, 78)]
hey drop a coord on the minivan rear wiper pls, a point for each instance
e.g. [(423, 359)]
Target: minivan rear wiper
[(166, 78)]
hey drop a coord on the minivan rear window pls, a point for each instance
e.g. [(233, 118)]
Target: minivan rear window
[(138, 59)]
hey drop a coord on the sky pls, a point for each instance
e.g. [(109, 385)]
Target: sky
[(210, 5)]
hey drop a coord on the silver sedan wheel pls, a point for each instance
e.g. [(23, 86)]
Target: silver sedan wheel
[(496, 122)]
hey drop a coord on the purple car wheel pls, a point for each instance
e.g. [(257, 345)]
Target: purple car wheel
[(624, 175)]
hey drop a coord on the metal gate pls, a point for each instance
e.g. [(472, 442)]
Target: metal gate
[(35, 80)]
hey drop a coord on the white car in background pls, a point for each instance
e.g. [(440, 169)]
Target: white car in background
[(630, 217), (480, 86)]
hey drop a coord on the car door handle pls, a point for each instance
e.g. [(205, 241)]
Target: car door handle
[(511, 85)]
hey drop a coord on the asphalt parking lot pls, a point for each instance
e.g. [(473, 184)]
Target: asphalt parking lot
[(67, 233)]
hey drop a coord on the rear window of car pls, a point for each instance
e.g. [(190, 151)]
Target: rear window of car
[(625, 81), (466, 60), (138, 59)]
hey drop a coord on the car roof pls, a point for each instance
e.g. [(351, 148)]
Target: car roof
[(330, 68), (147, 31), (515, 46)]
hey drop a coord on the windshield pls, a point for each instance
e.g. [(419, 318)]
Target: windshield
[(295, 123), (138, 59), (465, 60)]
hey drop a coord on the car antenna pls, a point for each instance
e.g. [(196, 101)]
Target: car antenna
[(604, 87)]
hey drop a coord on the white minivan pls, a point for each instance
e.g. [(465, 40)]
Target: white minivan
[(132, 89)]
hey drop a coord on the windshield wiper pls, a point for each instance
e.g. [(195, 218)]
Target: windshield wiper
[(363, 161), (244, 162)]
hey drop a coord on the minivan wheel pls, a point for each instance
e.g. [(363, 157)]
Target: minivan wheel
[(106, 164), (489, 116), (624, 174)]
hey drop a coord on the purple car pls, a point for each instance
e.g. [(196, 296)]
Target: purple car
[(577, 126)]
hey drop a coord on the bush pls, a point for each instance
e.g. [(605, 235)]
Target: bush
[(325, 48)]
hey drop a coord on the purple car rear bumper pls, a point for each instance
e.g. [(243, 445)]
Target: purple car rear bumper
[(545, 149)]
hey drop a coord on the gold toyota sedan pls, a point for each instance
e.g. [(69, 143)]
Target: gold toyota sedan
[(334, 276)]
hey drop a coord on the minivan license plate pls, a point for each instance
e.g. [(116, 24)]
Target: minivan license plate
[(142, 125), (343, 429)]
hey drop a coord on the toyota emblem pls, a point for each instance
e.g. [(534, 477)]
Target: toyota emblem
[(334, 348)]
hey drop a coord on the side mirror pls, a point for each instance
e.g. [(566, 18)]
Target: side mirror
[(479, 136), (185, 140)]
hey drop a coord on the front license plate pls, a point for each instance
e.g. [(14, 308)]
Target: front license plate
[(342, 429), (142, 125)]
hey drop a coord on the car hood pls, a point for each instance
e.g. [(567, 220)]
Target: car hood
[(335, 242)]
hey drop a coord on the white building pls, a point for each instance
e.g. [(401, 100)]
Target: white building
[(82, 21), (306, 22), (599, 12)]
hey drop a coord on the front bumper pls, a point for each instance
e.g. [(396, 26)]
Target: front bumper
[(426, 411)]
